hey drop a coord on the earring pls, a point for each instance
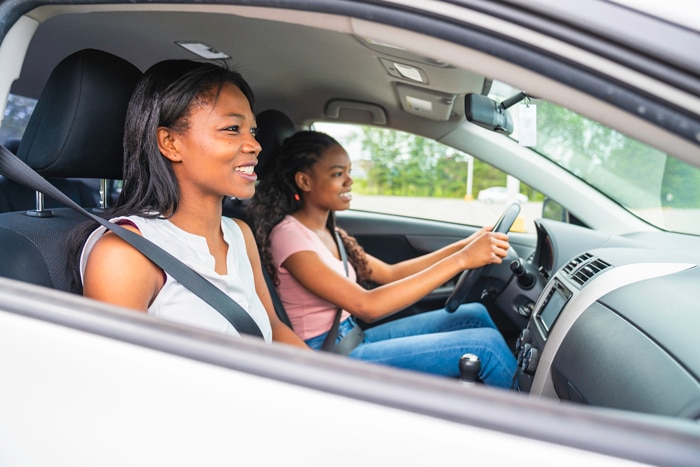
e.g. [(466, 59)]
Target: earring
[(296, 197)]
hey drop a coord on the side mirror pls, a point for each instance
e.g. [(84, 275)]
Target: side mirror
[(555, 211), (490, 114)]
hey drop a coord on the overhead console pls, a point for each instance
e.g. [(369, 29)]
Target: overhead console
[(591, 339)]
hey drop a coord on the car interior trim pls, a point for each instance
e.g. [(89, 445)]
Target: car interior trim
[(608, 281)]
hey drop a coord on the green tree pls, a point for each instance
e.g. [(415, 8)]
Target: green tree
[(383, 150), (603, 157), (681, 185), (397, 163), (451, 175)]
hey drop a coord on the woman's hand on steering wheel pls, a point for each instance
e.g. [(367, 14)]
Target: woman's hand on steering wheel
[(486, 248), (496, 252)]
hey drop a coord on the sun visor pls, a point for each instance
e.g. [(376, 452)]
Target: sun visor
[(425, 103)]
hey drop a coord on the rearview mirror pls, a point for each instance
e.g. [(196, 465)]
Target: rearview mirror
[(488, 113)]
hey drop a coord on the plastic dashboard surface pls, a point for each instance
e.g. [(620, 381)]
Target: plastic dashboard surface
[(616, 325)]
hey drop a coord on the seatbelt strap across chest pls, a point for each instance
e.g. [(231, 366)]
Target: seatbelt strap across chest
[(354, 337), (12, 167)]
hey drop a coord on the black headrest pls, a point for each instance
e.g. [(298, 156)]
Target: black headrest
[(273, 128), (77, 126)]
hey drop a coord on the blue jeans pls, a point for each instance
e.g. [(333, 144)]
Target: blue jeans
[(434, 341)]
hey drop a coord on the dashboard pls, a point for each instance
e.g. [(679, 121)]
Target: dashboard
[(614, 322)]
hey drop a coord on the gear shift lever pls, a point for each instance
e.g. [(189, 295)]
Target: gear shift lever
[(469, 366)]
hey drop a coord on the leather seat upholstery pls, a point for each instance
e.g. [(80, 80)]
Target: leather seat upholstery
[(75, 131)]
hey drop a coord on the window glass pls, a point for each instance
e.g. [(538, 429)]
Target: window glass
[(399, 173), (17, 113), (658, 188)]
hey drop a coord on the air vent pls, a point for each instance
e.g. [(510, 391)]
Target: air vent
[(576, 262), (584, 267)]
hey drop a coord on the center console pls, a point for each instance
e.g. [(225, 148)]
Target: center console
[(533, 338)]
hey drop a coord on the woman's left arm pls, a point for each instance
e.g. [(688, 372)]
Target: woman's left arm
[(280, 331), (384, 273)]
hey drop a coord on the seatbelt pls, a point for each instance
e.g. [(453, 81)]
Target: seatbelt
[(276, 301), (12, 167), (354, 337)]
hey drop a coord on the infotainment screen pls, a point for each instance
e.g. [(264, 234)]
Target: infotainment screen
[(558, 297)]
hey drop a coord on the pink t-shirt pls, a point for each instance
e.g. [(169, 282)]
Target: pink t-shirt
[(309, 314)]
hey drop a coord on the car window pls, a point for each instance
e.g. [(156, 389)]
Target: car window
[(403, 174), (656, 187), (17, 112)]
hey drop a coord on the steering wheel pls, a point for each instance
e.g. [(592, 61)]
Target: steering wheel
[(469, 277)]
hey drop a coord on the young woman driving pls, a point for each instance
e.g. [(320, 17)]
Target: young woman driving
[(292, 215)]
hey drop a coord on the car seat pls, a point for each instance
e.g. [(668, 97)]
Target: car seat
[(274, 127), (75, 131)]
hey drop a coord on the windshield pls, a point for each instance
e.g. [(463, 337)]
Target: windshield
[(651, 184)]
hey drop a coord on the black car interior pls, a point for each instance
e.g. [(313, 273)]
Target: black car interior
[(16, 197)]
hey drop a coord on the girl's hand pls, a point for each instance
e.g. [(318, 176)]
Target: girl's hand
[(485, 247), (466, 241)]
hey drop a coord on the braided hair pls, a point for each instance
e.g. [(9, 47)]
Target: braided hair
[(277, 195)]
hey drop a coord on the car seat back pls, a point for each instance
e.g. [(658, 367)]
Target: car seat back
[(16, 197), (75, 131)]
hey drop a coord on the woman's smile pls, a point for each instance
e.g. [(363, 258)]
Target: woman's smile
[(247, 172), (219, 149)]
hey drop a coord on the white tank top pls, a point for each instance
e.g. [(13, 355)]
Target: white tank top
[(177, 303)]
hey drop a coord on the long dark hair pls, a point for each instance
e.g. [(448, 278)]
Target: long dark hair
[(277, 195), (163, 97)]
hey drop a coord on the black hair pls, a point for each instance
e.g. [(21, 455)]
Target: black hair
[(163, 97), (277, 195)]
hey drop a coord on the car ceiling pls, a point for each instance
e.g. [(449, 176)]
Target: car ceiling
[(298, 61), (291, 67)]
